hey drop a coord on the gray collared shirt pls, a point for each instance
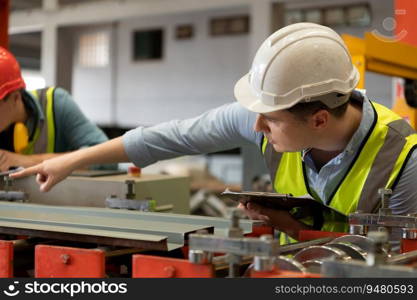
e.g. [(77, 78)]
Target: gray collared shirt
[(231, 126), (324, 181)]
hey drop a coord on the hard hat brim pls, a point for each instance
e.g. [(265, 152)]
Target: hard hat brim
[(244, 95)]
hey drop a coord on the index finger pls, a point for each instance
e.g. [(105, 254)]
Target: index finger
[(26, 172)]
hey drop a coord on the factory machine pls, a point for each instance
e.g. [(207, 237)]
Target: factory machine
[(127, 238), (377, 245), (94, 226)]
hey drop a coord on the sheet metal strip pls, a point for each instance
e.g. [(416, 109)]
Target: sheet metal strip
[(95, 225)]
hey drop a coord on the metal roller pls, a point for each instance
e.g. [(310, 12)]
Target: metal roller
[(361, 241), (288, 264), (320, 252), (311, 257), (313, 266), (354, 251)]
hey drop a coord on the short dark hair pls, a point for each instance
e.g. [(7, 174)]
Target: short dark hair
[(7, 97), (304, 109)]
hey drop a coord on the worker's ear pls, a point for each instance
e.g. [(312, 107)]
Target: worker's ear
[(319, 119)]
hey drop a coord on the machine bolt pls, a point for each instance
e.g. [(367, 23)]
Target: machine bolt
[(235, 217), (376, 254), (234, 261), (358, 229), (263, 263), (234, 230), (130, 189), (170, 271), (378, 237), (267, 237), (199, 257), (8, 183), (65, 259), (385, 195)]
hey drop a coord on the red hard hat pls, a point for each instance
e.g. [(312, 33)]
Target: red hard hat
[(10, 76)]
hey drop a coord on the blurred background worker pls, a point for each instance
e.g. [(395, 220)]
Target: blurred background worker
[(37, 125)]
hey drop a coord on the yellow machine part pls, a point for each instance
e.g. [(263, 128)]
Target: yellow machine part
[(381, 55)]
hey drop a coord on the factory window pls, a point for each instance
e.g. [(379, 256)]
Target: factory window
[(334, 16), (359, 15), (147, 44), (353, 15), (184, 32), (94, 49), (314, 16), (294, 16), (229, 25)]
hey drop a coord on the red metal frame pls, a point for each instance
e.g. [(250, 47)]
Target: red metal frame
[(408, 245), (404, 13), (67, 262), (4, 23), (306, 235), (147, 266), (6, 259), (282, 274)]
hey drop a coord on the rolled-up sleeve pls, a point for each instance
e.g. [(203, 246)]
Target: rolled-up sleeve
[(223, 128)]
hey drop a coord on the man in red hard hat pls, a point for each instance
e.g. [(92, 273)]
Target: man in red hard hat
[(40, 124)]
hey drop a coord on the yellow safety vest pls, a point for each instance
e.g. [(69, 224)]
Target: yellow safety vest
[(44, 138), (379, 163)]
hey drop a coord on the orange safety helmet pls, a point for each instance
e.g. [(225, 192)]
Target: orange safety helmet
[(10, 75)]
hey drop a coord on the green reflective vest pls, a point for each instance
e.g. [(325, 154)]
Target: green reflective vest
[(379, 163), (44, 138)]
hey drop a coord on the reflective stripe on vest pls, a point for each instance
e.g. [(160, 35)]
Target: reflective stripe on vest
[(378, 163), (44, 137)]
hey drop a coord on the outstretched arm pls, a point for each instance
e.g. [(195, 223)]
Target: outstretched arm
[(9, 159), (52, 171), (223, 128)]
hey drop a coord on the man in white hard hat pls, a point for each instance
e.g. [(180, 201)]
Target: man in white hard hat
[(319, 135)]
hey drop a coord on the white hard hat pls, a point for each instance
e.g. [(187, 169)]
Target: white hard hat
[(302, 62)]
